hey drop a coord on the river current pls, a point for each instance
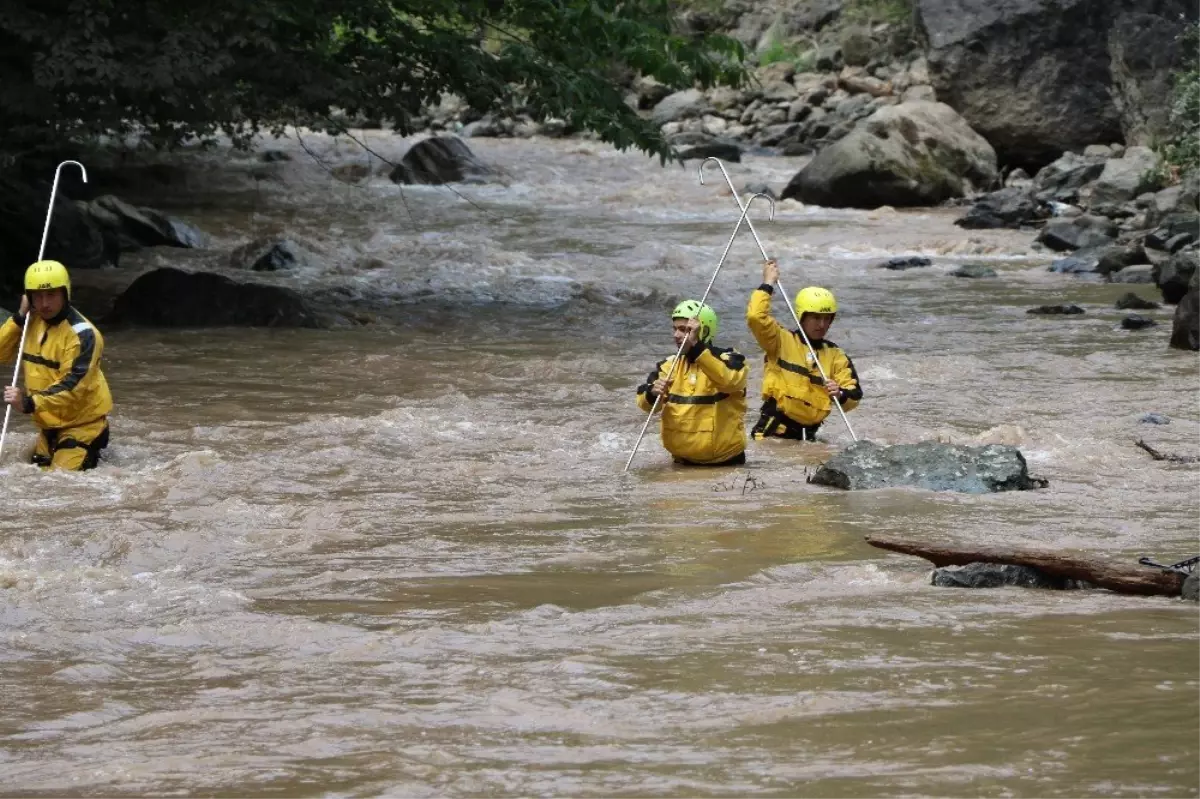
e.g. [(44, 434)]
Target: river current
[(403, 558)]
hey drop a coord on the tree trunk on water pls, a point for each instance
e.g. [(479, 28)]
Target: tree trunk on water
[(1121, 578)]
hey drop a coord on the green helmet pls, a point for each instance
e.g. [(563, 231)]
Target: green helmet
[(690, 309)]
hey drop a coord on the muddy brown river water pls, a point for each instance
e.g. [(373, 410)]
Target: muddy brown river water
[(402, 559)]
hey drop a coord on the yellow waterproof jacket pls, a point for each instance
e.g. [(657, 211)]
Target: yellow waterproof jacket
[(63, 382), (789, 376), (703, 415)]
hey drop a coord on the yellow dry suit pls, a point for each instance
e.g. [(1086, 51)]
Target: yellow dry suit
[(704, 410), (795, 402), (65, 392)]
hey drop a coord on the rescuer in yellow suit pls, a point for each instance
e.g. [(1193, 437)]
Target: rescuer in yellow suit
[(703, 399), (796, 400), (65, 392)]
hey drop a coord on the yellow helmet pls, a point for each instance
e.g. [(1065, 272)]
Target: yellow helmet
[(815, 300), (47, 275)]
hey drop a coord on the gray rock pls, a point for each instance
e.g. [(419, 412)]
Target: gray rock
[(1001, 65), (1137, 273), (1155, 418), (1172, 225), (438, 160), (1055, 310), (1191, 588), (973, 271), (1175, 275), (1132, 302), (726, 151), (994, 575), (175, 298), (686, 104), (134, 228), (1146, 51), (1006, 208), (267, 255), (902, 263), (760, 188), (1125, 178), (911, 154), (1185, 328), (1080, 232), (1062, 179), (1136, 322), (930, 465)]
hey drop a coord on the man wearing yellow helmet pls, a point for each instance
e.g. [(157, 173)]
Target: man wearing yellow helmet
[(795, 398), (702, 399), (65, 392)]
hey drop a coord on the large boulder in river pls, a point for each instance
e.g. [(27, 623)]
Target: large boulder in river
[(929, 464), (1012, 207), (133, 228), (1185, 330), (175, 298), (1175, 275), (441, 159), (912, 154), (74, 238), (1036, 77)]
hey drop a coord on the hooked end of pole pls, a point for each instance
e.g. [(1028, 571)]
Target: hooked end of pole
[(82, 169), (770, 200)]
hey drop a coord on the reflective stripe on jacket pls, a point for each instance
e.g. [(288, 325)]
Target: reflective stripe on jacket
[(703, 416), (789, 375), (61, 368)]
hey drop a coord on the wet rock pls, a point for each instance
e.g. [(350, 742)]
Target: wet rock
[(1173, 225), (441, 159), (1078, 233), (1132, 302), (902, 263), (273, 156), (760, 188), (1056, 310), (1062, 179), (1125, 178), (1136, 322), (973, 271), (175, 298), (1007, 208), (1137, 273), (1191, 588), (1185, 328), (726, 151), (1175, 275), (74, 237), (267, 255), (1103, 260), (930, 465), (912, 154), (134, 228), (994, 575), (1155, 418)]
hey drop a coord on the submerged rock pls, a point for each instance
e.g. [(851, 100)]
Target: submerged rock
[(901, 263), (993, 575), (1132, 302), (1056, 310), (929, 464), (174, 298)]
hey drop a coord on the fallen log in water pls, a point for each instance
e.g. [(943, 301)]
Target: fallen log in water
[(1115, 577)]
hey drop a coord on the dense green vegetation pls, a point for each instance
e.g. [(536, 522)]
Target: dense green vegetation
[(1181, 150), (168, 72)]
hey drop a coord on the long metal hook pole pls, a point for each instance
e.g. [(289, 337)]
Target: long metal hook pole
[(41, 253), (679, 353), (778, 283)]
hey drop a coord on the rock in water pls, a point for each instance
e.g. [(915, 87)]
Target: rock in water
[(442, 159), (993, 575), (928, 464)]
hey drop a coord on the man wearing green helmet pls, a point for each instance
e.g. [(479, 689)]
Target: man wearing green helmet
[(796, 400), (703, 398)]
